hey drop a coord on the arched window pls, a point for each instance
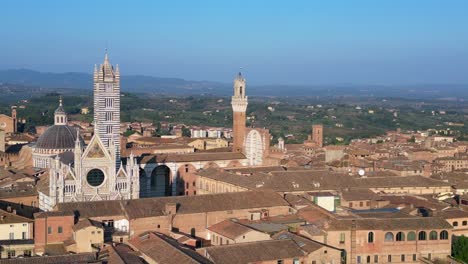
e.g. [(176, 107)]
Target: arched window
[(370, 237), (433, 235), (444, 235), (411, 236), (422, 235), (368, 259), (455, 223), (389, 237), (400, 236)]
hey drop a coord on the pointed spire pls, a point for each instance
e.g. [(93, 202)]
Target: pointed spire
[(106, 58), (77, 141), (60, 100)]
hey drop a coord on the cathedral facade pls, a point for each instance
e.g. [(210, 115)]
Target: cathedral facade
[(96, 171)]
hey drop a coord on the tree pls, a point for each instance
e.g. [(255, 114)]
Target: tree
[(460, 248)]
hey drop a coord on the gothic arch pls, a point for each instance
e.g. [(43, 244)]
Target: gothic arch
[(254, 147), (160, 181), (143, 183)]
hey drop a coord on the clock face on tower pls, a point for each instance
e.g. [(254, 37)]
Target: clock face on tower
[(2, 124)]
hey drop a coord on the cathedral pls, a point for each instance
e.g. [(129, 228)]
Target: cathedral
[(93, 172)]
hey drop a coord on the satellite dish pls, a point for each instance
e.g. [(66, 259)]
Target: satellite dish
[(361, 172)]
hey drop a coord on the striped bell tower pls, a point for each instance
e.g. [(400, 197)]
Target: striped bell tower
[(107, 106)]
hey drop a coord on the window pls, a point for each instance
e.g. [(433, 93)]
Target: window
[(403, 258), (422, 235), (433, 235), (455, 223), (464, 223), (27, 253), (389, 237), (159, 226), (367, 203), (49, 230), (193, 184), (280, 261), (95, 177), (376, 258), (60, 230), (92, 232), (358, 259), (361, 204), (443, 235), (99, 232), (411, 236), (350, 205), (109, 130), (414, 257), (400, 236), (389, 258), (368, 259), (109, 116), (12, 236), (342, 238), (11, 253), (24, 235), (370, 237)]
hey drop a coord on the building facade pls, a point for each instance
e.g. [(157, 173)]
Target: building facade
[(93, 172)]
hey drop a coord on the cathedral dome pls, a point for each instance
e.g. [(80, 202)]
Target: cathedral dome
[(58, 137)]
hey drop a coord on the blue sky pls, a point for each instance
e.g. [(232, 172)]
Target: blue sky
[(275, 42)]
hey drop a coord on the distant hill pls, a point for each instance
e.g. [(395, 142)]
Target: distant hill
[(177, 86), (129, 83)]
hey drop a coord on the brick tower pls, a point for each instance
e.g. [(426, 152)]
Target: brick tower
[(15, 121), (239, 107), (317, 135)]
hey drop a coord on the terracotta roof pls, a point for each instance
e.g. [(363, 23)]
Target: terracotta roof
[(161, 249), (61, 259), (53, 214), (83, 223), (310, 180), (229, 229), (453, 213), (411, 223), (262, 251), (119, 254), (148, 207), (10, 218)]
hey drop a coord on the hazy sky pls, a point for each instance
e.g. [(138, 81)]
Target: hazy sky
[(275, 42)]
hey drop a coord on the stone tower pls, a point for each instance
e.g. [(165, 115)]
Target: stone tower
[(15, 121), (317, 135), (239, 107), (107, 106)]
